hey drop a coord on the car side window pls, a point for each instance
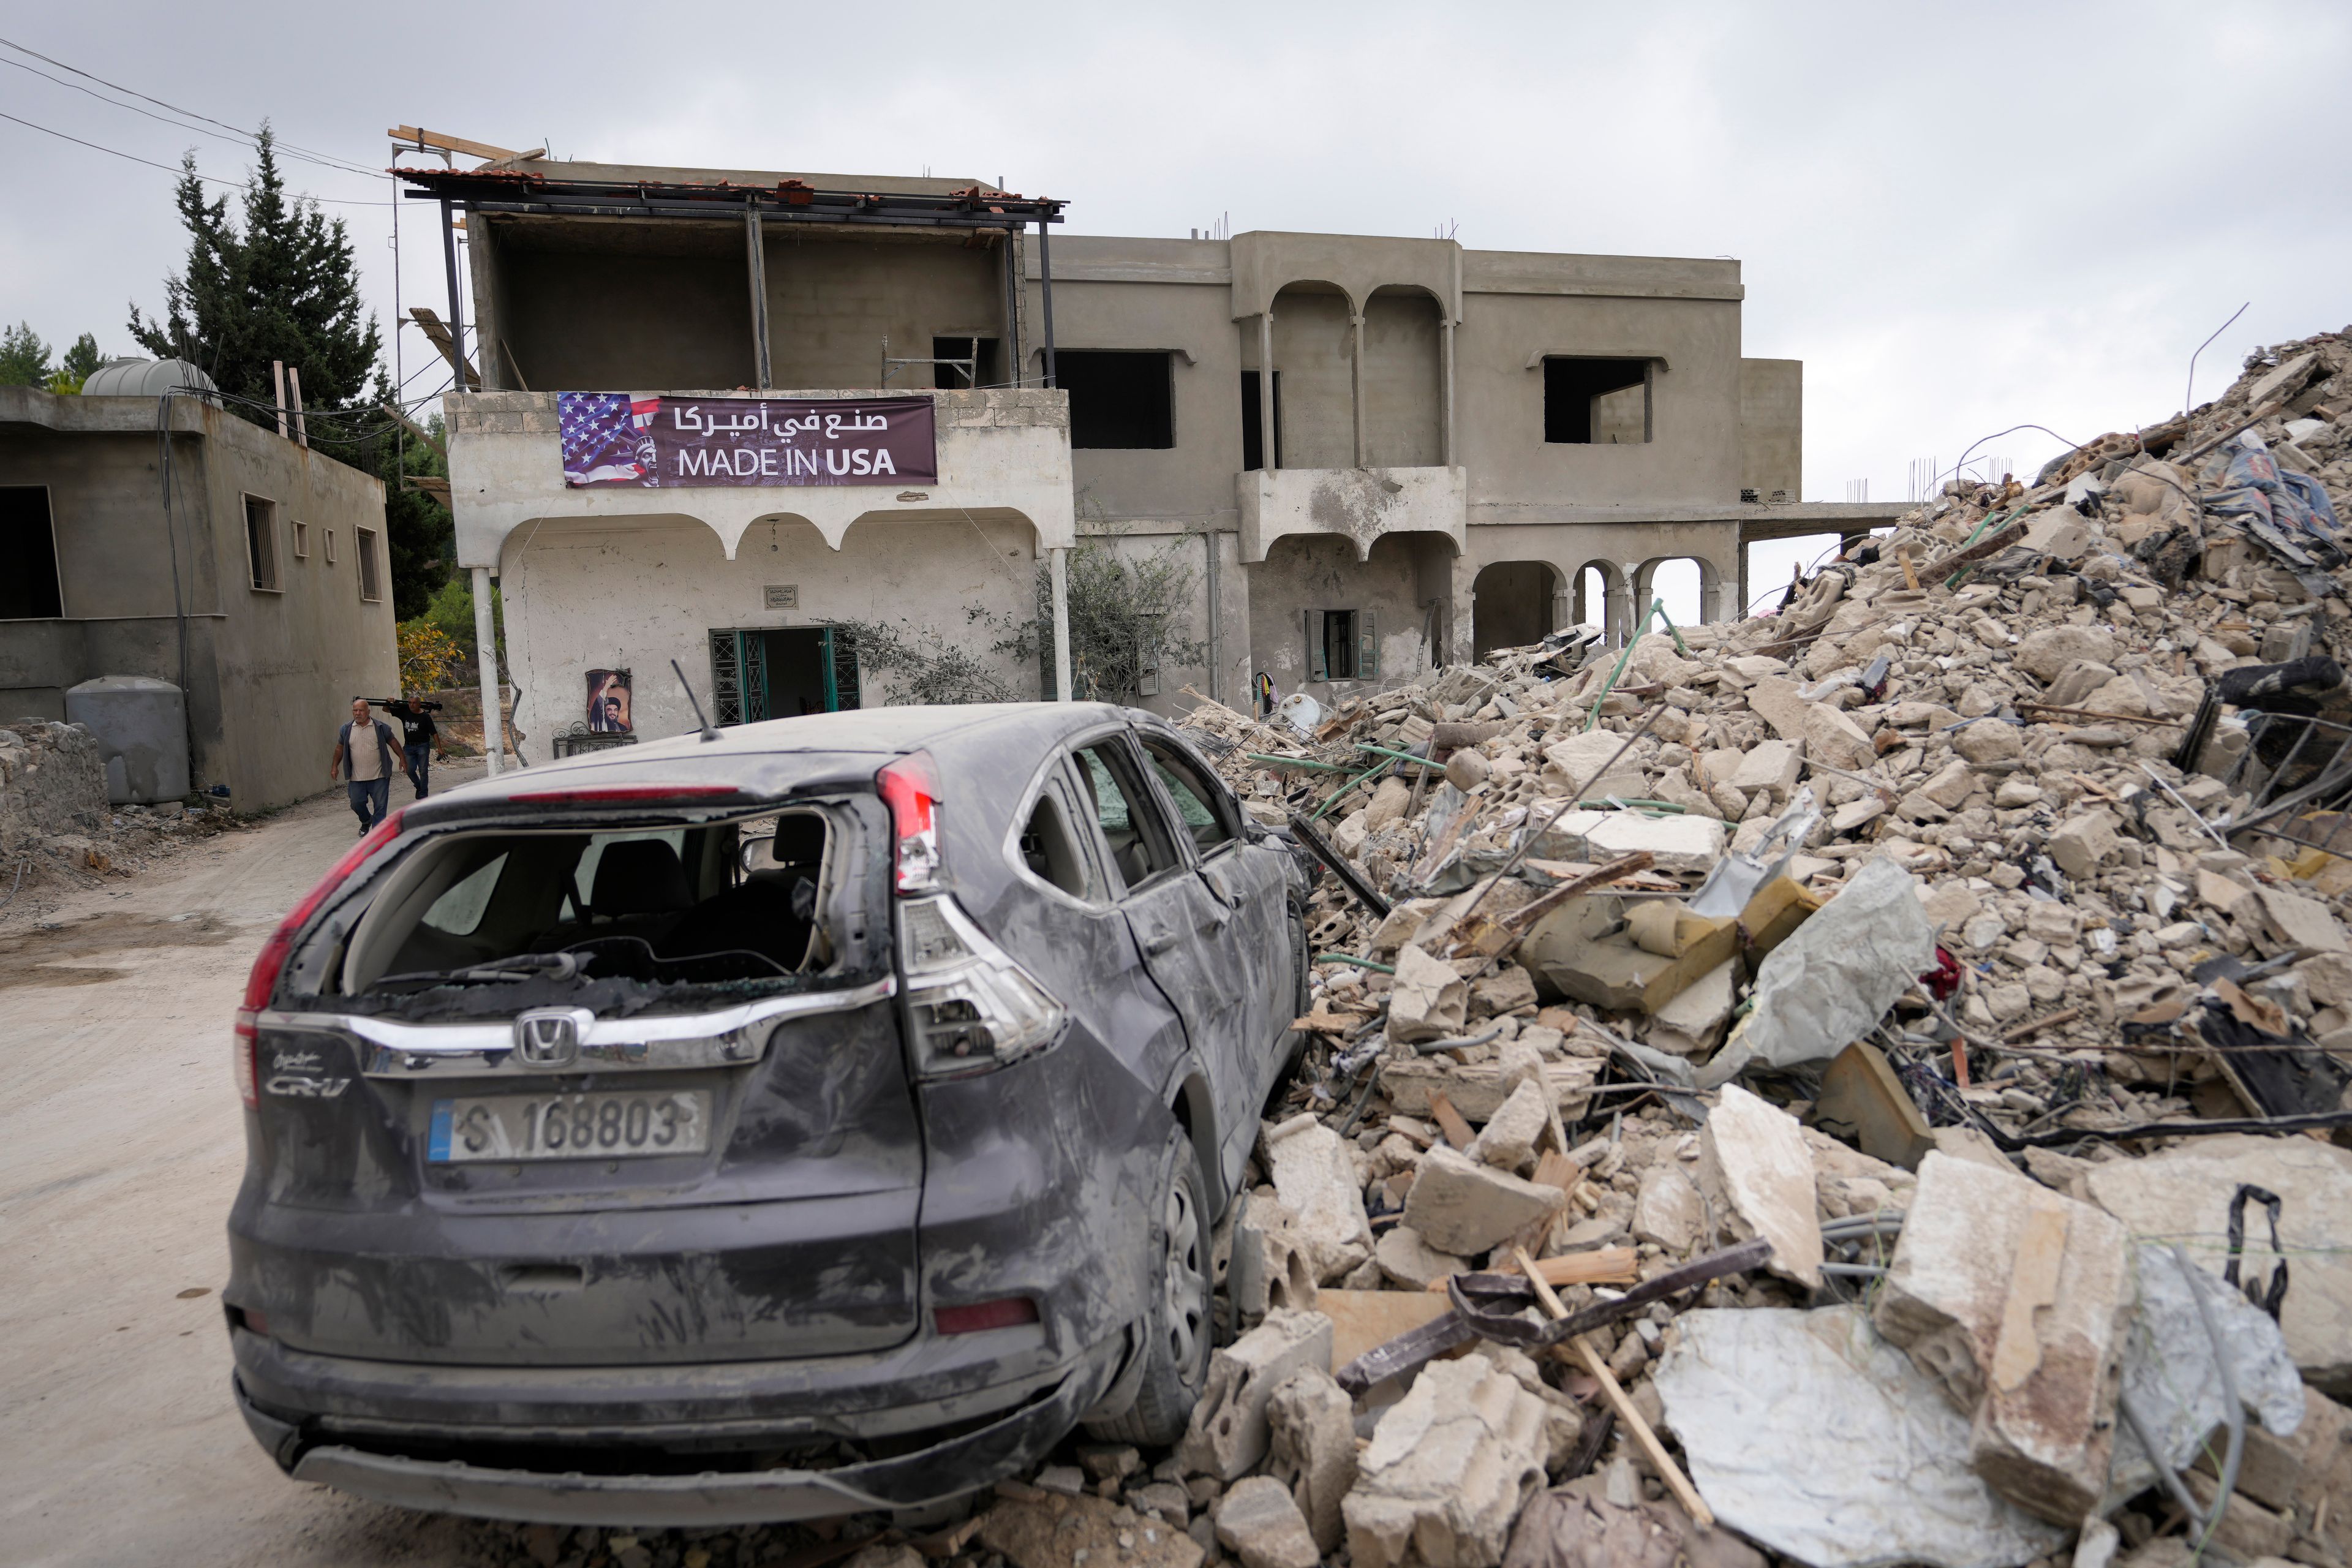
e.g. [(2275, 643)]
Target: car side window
[(1131, 828), (1056, 848), (1198, 802)]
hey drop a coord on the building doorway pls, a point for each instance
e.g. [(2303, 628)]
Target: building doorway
[(760, 673)]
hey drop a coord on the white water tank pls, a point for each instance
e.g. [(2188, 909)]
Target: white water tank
[(141, 725)]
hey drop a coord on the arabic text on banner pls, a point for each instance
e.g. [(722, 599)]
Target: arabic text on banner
[(614, 438)]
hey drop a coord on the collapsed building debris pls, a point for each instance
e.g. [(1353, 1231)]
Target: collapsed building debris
[(1864, 1084)]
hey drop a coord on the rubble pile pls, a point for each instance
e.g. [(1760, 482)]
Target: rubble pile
[(56, 829), (1863, 1085)]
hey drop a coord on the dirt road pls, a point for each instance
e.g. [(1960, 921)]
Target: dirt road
[(120, 1148)]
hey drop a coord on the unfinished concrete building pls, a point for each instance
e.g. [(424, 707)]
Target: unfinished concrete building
[(1380, 454)]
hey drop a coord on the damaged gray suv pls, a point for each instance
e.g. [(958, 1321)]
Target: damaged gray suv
[(823, 1115)]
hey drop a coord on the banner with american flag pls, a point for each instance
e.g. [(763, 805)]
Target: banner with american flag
[(649, 441)]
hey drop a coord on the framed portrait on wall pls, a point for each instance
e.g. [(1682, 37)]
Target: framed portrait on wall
[(608, 703)]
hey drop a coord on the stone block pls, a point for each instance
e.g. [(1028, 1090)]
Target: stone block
[(1989, 740), (1776, 701), (2085, 842), (1314, 1451), (1314, 1174), (1388, 804), (1508, 1140), (2016, 1300), (1769, 765), (1507, 990), (1831, 737), (1667, 1210), (1258, 1522), (2046, 653), (1576, 762), (1754, 1162), (1411, 1261), (1429, 1002), (2299, 921), (1228, 1433), (1692, 1023), (1449, 1468), (1479, 1089), (2186, 1191), (1677, 843), (2077, 681), (1461, 1206)]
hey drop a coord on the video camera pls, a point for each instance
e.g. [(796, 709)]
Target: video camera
[(416, 705)]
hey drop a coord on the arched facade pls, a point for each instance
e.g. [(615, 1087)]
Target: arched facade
[(1514, 603)]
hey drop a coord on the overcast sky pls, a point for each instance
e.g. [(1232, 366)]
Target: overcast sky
[(1960, 217)]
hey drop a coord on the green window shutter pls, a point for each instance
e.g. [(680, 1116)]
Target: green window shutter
[(1315, 670), (726, 677), (842, 644), (755, 677), (1367, 647)]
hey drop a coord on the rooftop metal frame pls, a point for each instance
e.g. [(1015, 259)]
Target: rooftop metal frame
[(529, 193)]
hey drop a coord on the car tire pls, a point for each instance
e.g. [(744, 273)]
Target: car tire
[(1177, 1323)]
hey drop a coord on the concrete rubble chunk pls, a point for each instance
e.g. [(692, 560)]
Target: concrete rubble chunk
[(1579, 758), (1314, 1451), (1430, 1001), (1411, 1262), (1229, 1433), (1508, 1141), (1479, 1089), (1832, 738), (2085, 842), (1258, 1522), (1675, 844), (2015, 1300), (1601, 1521), (1810, 1434), (1989, 741), (2046, 653), (1449, 1468), (1461, 1206), (2300, 921), (2185, 1192), (1776, 700), (1314, 1173), (1049, 1531), (1272, 1266), (1667, 1211), (1692, 1022), (1754, 1162)]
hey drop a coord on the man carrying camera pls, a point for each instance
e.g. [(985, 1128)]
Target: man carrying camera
[(419, 735), (363, 760)]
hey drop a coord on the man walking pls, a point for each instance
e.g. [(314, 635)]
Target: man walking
[(363, 759), (419, 736)]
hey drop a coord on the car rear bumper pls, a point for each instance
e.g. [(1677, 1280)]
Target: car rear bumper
[(990, 1434)]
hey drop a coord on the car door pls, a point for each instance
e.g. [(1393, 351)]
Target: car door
[(1186, 933), (1249, 880)]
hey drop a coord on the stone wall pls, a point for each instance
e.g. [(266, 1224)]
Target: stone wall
[(51, 782)]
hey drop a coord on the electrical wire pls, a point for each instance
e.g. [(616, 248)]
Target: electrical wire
[(209, 179), (243, 138), (190, 113)]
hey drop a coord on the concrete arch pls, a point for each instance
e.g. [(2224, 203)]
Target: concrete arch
[(1514, 603), (1401, 380), (1614, 616), (1316, 323), (1714, 584)]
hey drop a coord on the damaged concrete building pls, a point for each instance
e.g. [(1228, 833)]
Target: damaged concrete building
[(1378, 455)]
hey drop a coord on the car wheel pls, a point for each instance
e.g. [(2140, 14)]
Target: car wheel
[(1177, 1324)]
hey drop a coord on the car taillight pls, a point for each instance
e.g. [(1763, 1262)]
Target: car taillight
[(263, 978), (909, 787), (970, 1007), (998, 1314)]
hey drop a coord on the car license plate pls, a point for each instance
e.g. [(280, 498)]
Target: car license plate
[(598, 1126)]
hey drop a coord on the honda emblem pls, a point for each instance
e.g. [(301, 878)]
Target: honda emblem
[(550, 1036)]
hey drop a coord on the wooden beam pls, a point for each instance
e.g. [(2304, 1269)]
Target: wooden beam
[(436, 141), (432, 485), (414, 428), (438, 331)]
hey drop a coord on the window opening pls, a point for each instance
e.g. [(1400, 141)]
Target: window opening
[(261, 542), (1118, 398), (1342, 644), (364, 545), (1596, 401), (330, 538), (1137, 846), (301, 541), (29, 588), (1254, 429), (762, 673), (961, 363), (1053, 851), (1193, 796)]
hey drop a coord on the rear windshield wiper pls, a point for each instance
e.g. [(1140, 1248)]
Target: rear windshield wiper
[(522, 966)]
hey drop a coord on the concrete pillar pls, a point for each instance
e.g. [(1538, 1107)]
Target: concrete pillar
[(1747, 593), (755, 250), (1565, 611), (1058, 559), (1445, 341), (1619, 623), (1266, 389), (485, 651), (1216, 619), (1356, 379)]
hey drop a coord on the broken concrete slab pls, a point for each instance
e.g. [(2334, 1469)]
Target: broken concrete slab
[(1271, 1264), (1258, 1521), (1754, 1163), (1229, 1433), (1461, 1206), (1601, 1521), (1044, 1530), (1579, 758), (1676, 845), (1863, 1101), (2300, 921), (1430, 1000), (1769, 765), (1365, 1320), (2183, 1194), (1692, 1023), (1314, 1173), (1478, 1091), (1834, 739), (1314, 1451), (2016, 1300), (1667, 1210), (1508, 1140), (1778, 702), (2046, 653), (1449, 1468), (1809, 1433)]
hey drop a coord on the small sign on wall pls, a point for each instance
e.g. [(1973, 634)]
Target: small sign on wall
[(781, 595)]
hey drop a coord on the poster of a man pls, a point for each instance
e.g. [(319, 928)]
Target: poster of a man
[(608, 701)]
